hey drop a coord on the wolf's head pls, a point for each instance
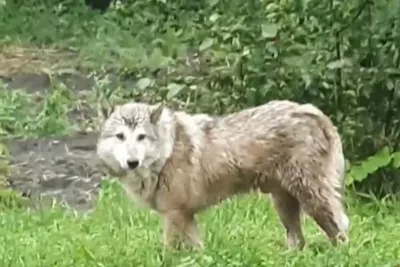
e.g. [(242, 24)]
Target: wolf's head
[(134, 135)]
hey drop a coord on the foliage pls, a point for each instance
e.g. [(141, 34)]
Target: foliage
[(220, 56), (383, 158), (24, 115)]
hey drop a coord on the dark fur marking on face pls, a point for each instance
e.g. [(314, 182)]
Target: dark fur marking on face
[(130, 122)]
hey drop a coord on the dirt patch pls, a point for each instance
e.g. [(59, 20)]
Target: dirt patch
[(39, 82), (65, 169), (32, 69), (17, 59)]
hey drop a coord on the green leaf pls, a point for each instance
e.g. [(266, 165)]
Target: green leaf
[(207, 43), (396, 160), (272, 7), (269, 30), (380, 159), (370, 165), (88, 253), (337, 64), (389, 84), (212, 3), (214, 17), (356, 173), (174, 89), (143, 83), (350, 93)]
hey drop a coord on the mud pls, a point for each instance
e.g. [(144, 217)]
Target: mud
[(39, 82), (63, 169)]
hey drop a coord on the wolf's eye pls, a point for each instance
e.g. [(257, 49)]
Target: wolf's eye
[(141, 137), (120, 136)]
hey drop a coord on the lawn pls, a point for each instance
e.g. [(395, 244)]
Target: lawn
[(242, 232), (50, 87)]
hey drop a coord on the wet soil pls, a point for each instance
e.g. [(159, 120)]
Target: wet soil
[(63, 168)]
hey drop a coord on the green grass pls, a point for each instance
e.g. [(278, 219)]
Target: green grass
[(242, 232), (28, 115)]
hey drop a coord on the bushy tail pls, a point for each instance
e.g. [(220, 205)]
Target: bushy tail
[(333, 139), (331, 215)]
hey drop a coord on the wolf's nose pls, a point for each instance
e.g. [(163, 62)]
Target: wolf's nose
[(132, 164)]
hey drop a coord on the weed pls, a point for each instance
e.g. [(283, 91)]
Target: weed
[(29, 115)]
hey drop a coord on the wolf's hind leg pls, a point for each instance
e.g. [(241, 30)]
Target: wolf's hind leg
[(330, 216), (322, 202)]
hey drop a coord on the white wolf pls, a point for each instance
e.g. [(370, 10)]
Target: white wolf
[(179, 164)]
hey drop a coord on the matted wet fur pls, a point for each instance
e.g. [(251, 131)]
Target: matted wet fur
[(179, 164)]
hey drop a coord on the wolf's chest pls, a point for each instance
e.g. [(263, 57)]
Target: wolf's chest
[(140, 186)]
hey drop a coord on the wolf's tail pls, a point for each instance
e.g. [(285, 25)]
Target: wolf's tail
[(333, 173), (332, 136)]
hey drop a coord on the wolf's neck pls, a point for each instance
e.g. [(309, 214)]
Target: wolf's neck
[(182, 136), (167, 134)]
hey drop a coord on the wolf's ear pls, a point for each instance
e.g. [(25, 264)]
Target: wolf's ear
[(107, 110), (104, 111), (156, 113)]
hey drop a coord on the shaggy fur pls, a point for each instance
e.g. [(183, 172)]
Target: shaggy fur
[(179, 164)]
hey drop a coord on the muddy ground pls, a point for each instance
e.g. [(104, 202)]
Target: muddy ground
[(62, 168)]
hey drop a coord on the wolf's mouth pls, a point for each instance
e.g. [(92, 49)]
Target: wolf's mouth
[(116, 173), (107, 169)]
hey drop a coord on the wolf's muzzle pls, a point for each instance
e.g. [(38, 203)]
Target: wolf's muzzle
[(132, 164)]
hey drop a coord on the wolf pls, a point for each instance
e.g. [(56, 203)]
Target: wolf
[(179, 164)]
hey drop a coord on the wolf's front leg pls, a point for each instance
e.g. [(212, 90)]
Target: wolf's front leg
[(180, 226)]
